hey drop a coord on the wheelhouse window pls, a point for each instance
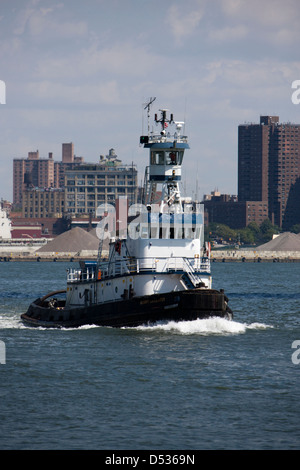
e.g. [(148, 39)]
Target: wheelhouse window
[(170, 157), (157, 158)]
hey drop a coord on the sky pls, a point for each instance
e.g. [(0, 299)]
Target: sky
[(82, 72)]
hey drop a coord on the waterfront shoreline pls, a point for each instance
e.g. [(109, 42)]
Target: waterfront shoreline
[(250, 256), (48, 258), (255, 256)]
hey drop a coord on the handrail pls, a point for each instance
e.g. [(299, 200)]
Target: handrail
[(190, 273), (131, 265)]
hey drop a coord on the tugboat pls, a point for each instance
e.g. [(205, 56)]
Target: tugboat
[(158, 269)]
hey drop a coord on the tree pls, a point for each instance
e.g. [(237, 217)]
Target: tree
[(250, 235), (247, 236), (221, 231), (267, 230), (295, 228), (253, 227)]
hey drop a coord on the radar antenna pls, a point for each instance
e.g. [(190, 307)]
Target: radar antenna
[(164, 121)]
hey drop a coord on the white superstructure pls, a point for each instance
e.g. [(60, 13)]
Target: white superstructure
[(5, 225)]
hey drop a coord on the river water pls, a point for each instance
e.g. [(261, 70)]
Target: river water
[(206, 384)]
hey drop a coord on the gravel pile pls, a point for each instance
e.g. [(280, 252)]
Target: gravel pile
[(106, 240), (72, 241), (284, 242)]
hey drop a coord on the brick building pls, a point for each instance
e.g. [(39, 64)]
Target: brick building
[(269, 168), (36, 172), (226, 209), (41, 202)]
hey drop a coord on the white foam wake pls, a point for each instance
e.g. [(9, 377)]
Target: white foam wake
[(15, 322), (10, 321), (210, 326)]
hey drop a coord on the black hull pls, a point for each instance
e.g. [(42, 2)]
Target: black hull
[(177, 306)]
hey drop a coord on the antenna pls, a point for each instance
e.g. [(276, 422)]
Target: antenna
[(184, 116), (164, 121), (148, 105)]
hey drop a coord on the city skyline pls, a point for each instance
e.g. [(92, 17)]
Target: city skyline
[(83, 73)]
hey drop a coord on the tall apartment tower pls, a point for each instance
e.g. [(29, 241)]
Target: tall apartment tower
[(269, 168)]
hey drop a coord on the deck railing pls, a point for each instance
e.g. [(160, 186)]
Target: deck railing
[(191, 266)]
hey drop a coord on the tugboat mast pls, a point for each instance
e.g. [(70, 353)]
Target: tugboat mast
[(163, 175)]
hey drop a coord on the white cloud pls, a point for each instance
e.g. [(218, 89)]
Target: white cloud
[(119, 59), (273, 23), (183, 22), (228, 34), (40, 21), (60, 94), (271, 12), (253, 74), (273, 20), (23, 17)]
